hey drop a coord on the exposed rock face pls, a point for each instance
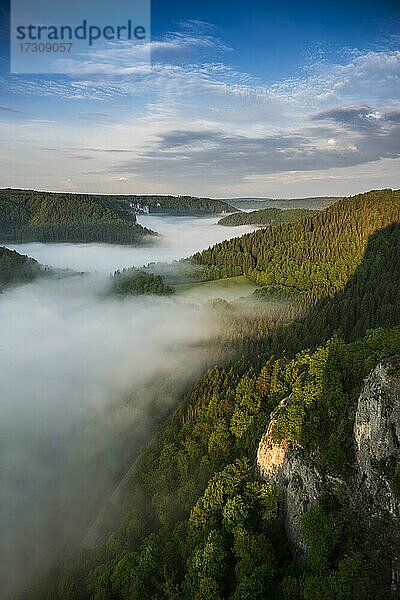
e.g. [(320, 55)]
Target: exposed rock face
[(302, 483), (271, 455), (377, 440), (377, 436), (297, 478)]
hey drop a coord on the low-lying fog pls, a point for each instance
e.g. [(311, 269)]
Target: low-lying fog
[(180, 237), (83, 379)]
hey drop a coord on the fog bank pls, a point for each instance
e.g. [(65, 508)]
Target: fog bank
[(83, 378), (180, 237)]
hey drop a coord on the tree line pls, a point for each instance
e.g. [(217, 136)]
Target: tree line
[(30, 216), (265, 216)]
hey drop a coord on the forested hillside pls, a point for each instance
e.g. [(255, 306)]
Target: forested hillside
[(30, 216), (265, 216), (315, 255), (182, 204), (15, 268), (198, 524), (312, 203)]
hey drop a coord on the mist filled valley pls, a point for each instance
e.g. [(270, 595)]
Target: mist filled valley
[(85, 380), (200, 300), (79, 375), (180, 237), (158, 414)]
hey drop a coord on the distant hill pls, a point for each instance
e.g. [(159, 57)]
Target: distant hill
[(15, 268), (31, 216), (313, 203), (265, 216), (182, 204)]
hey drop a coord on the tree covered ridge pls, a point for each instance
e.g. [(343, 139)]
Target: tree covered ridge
[(28, 215), (316, 254), (310, 202), (370, 299), (16, 268), (183, 204), (265, 216)]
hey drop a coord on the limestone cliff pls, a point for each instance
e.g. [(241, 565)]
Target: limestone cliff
[(373, 485), (377, 438)]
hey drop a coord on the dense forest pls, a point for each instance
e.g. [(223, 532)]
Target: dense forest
[(316, 255), (30, 216), (15, 268), (265, 216), (196, 522)]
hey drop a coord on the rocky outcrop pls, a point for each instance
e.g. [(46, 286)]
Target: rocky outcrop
[(377, 440), (294, 473), (271, 454)]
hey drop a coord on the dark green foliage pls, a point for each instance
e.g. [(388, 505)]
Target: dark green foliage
[(265, 216), (29, 216), (370, 299), (15, 268), (344, 561), (136, 283)]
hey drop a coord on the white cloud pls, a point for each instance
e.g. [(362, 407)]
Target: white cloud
[(69, 185)]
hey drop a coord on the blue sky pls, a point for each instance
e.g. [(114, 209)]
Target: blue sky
[(242, 99)]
